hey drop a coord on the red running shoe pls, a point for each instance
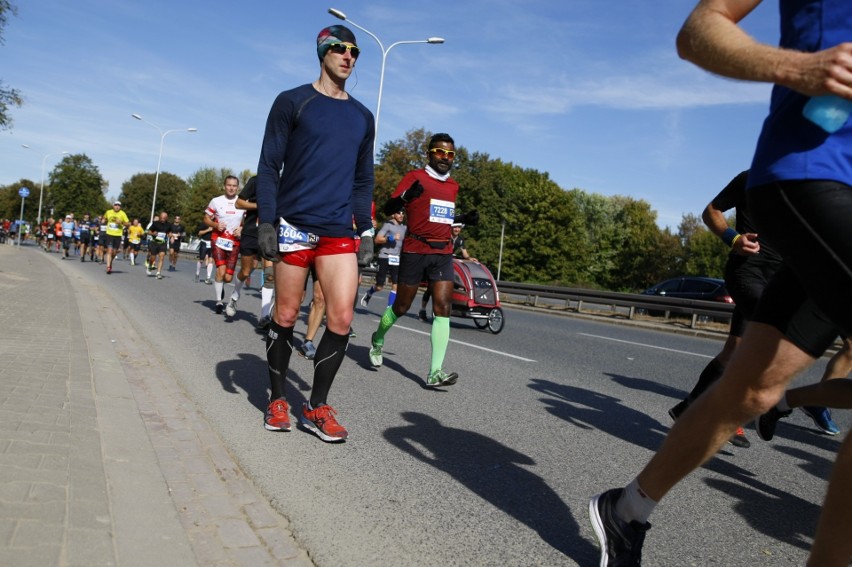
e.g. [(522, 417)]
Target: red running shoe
[(277, 416), (322, 422)]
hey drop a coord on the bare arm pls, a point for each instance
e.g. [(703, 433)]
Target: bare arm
[(247, 205), (712, 39), (745, 245), (210, 222)]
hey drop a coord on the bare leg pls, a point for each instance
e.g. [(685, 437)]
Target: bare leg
[(755, 379), (832, 544), (316, 313)]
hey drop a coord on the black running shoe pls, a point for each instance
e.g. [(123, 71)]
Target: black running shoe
[(620, 541), (765, 424), (219, 307)]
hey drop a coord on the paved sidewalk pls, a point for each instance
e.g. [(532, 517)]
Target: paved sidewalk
[(103, 459)]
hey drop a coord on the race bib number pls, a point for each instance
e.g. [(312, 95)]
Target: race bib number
[(135, 241), (441, 212), (114, 226), (393, 260), (225, 244), (161, 237), (66, 233), (291, 239), (76, 234)]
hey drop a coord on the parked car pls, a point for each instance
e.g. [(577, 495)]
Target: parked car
[(692, 287)]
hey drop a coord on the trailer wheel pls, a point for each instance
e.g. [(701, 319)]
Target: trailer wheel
[(495, 320), (480, 323)]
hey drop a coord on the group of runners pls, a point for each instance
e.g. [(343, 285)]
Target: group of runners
[(104, 237)]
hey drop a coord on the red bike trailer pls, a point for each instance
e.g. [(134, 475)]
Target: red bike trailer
[(475, 295)]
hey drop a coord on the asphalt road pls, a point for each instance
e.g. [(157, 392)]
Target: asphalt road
[(498, 469)]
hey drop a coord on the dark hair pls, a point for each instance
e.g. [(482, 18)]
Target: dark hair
[(441, 137), (234, 177)]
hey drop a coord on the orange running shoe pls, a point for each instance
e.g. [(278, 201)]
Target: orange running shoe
[(321, 421), (739, 439), (277, 416)]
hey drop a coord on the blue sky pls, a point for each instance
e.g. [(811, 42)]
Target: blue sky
[(590, 91)]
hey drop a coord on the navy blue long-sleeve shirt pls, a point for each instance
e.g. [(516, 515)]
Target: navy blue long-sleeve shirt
[(316, 163)]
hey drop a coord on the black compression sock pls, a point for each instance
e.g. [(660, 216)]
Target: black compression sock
[(712, 372), (329, 356), (279, 347)]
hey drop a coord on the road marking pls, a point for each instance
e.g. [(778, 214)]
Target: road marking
[(645, 345), (501, 353)]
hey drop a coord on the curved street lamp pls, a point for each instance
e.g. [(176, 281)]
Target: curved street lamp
[(341, 16), (41, 189), (160, 158)]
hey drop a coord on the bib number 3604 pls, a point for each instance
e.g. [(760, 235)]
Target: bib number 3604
[(291, 239)]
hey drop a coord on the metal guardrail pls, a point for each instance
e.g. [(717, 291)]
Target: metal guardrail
[(630, 304), (578, 299)]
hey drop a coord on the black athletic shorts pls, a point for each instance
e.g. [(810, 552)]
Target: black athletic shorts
[(203, 250), (808, 223), (786, 306), (248, 244), (110, 241), (417, 268), (386, 269), (745, 278), (155, 247)]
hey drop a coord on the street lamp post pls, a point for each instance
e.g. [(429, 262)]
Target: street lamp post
[(160, 158), (341, 16), (41, 189), (24, 193)]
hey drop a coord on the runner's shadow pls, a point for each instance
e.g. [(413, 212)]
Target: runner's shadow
[(495, 473), (647, 386), (361, 356), (591, 410), (250, 374), (779, 515)]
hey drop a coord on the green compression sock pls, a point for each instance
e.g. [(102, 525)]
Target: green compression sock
[(388, 319), (440, 340)]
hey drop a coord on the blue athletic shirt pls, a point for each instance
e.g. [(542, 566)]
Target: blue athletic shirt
[(790, 146), (325, 147)]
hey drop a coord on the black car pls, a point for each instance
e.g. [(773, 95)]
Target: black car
[(692, 287)]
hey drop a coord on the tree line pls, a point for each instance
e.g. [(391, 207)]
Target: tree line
[(547, 234)]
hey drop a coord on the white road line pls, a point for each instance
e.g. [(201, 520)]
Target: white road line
[(501, 353), (645, 345)]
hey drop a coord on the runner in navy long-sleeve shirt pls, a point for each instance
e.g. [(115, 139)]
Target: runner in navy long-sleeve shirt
[(315, 175)]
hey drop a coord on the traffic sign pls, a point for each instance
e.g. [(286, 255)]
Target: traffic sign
[(24, 192)]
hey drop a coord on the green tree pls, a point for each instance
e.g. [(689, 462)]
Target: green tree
[(10, 201), (75, 186), (641, 240), (9, 97), (138, 192), (395, 159), (204, 185), (603, 236), (704, 253)]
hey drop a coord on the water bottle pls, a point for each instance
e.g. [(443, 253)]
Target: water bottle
[(829, 112)]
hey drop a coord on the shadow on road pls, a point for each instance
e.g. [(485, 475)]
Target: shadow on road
[(249, 373), (768, 510), (495, 473)]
